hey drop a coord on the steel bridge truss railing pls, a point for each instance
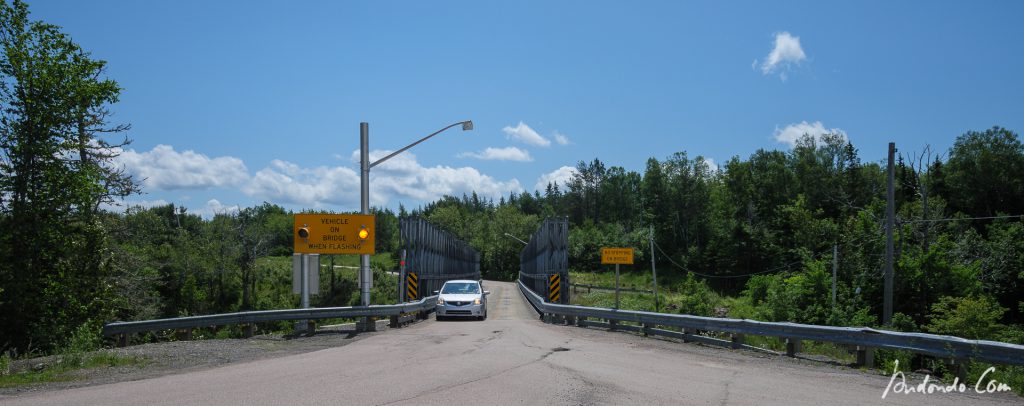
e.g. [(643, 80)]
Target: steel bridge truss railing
[(435, 255), (547, 254)]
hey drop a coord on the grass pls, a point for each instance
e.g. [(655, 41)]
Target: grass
[(63, 369)]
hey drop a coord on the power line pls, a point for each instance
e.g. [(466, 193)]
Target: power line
[(1020, 216), (669, 258)]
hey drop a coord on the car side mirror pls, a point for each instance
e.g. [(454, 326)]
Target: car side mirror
[(437, 291), (487, 292)]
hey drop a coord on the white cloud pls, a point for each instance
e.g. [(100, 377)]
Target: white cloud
[(786, 53), (310, 187), (214, 207), (561, 139), (793, 132), (525, 134), (500, 154), (166, 169), (405, 178), (559, 176), (400, 177), (712, 165)]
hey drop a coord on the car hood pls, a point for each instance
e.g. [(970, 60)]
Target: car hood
[(449, 297)]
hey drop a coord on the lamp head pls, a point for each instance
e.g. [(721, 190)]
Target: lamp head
[(467, 125)]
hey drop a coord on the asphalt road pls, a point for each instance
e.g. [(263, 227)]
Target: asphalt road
[(512, 358)]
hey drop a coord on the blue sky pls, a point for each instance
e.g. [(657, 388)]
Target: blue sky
[(235, 103)]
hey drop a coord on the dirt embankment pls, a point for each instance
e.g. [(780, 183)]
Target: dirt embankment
[(166, 358)]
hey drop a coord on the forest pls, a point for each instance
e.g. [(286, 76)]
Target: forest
[(762, 227)]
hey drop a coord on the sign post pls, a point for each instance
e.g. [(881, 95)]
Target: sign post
[(401, 279), (617, 256), (317, 233)]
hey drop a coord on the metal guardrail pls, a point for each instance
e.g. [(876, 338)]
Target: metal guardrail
[(862, 337), (258, 316), (611, 288)]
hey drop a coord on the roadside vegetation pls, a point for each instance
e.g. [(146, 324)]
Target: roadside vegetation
[(81, 351)]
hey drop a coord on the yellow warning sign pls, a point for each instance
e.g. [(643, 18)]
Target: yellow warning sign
[(622, 256), (554, 288), (412, 287), (334, 233)]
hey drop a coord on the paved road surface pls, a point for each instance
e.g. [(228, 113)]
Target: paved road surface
[(512, 358)]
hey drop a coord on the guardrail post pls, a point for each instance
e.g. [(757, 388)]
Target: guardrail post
[(122, 340), (865, 356), (960, 366), (736, 341), (612, 324), (793, 346), (645, 329), (686, 333), (581, 321), (249, 330), (366, 324), (184, 335), (394, 322)]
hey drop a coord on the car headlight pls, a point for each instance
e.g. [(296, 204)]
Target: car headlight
[(440, 301), (476, 301)]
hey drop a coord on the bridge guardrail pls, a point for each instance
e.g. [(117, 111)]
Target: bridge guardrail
[(257, 316), (863, 338)]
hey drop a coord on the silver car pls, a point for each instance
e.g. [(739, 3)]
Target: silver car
[(462, 298)]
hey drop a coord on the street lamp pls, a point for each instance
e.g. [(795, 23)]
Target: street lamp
[(517, 239), (364, 163)]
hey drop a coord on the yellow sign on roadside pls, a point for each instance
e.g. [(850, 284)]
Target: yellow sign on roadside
[(334, 233), (622, 256)]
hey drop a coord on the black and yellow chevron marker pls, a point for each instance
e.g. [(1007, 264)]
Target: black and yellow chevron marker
[(412, 286), (554, 288)]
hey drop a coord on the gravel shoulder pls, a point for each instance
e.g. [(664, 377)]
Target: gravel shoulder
[(176, 357)]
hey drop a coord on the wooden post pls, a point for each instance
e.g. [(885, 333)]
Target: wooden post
[(736, 341), (793, 346), (865, 357), (687, 332)]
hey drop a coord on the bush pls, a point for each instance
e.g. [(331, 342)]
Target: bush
[(695, 297), (975, 318), (84, 339)]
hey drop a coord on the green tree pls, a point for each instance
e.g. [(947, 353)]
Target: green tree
[(55, 172), (984, 175)]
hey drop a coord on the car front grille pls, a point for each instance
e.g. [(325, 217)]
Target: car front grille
[(459, 303), (459, 312)]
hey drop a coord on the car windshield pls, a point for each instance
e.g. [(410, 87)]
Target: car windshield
[(460, 288)]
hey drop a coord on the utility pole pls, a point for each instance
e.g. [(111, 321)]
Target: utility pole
[(890, 222), (654, 272), (835, 271)]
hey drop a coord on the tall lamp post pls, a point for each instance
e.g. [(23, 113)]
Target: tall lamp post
[(366, 278)]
